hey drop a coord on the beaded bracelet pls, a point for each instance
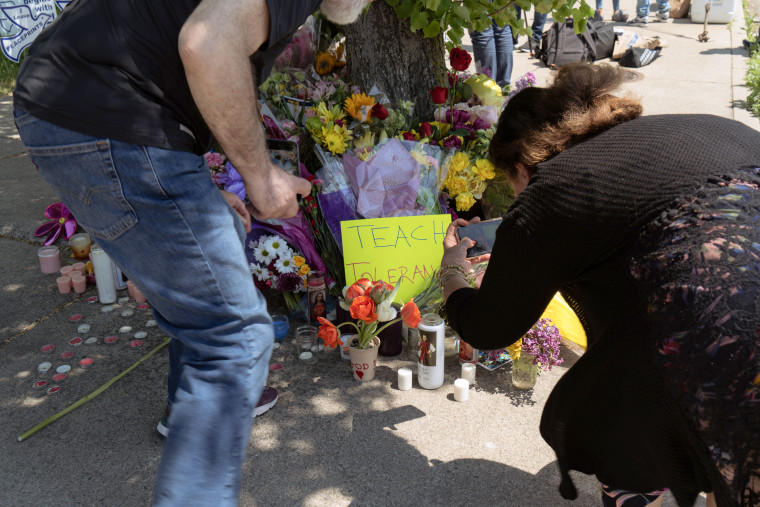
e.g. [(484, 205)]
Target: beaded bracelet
[(456, 267)]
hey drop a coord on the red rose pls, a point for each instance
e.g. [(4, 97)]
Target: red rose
[(439, 94), (459, 59), (408, 136), (379, 112), (426, 129)]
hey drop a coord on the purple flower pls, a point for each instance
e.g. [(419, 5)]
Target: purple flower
[(452, 142), (231, 181), (289, 282), (543, 343), (480, 124)]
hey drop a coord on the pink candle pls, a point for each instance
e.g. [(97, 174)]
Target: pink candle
[(131, 288), (139, 296), (80, 284), (79, 266), (50, 259), (66, 270), (64, 284)]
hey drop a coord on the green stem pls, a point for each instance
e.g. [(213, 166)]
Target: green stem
[(92, 395)]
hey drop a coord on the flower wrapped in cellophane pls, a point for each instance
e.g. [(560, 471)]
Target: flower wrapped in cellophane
[(277, 266)]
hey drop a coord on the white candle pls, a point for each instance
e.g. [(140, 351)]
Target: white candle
[(305, 356), (468, 372), (404, 379), (461, 389)]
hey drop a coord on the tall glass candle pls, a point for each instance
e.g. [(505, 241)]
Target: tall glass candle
[(316, 291), (50, 259), (102, 265), (430, 351)]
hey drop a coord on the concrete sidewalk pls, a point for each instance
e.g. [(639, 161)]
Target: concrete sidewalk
[(329, 440)]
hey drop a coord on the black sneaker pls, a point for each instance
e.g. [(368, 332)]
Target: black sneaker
[(266, 401)]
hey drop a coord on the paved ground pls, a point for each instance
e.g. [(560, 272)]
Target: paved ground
[(330, 440)]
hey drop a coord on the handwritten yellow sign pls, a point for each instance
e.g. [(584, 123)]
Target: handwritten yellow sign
[(404, 250)]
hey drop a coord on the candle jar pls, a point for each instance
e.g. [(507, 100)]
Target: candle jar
[(450, 343), (80, 246), (316, 290), (50, 259), (307, 344), (281, 326)]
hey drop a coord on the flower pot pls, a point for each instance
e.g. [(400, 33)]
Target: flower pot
[(524, 372), (363, 361), (391, 342)]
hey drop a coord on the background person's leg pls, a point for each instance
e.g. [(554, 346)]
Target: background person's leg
[(484, 50), (158, 214), (504, 54)]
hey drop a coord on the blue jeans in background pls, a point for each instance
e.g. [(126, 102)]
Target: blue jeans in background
[(493, 48), (615, 5), (159, 216), (539, 20), (642, 8)]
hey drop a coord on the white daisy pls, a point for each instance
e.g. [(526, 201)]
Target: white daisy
[(285, 265), (277, 245), (259, 272), (263, 254)]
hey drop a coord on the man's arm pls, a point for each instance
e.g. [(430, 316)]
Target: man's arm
[(215, 44)]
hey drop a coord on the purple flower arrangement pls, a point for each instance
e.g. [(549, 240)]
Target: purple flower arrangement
[(542, 342)]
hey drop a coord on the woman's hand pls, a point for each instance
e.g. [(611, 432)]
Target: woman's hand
[(237, 204), (455, 249)]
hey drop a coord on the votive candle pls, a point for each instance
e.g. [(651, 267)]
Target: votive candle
[(80, 245), (80, 283), (66, 270), (50, 259), (64, 284), (468, 372), (139, 297), (461, 389), (404, 379), (131, 288), (80, 267)]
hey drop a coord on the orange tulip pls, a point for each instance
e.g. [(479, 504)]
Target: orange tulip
[(359, 288), (411, 314), (363, 308), (329, 333)]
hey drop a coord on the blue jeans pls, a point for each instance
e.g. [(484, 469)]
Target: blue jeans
[(493, 48), (642, 8), (615, 5), (159, 216), (539, 20)]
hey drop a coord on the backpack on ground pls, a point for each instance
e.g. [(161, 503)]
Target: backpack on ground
[(560, 44)]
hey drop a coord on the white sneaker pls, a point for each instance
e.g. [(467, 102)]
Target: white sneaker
[(639, 21), (661, 18)]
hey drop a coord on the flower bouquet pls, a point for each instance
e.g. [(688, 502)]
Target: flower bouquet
[(369, 303), (279, 268), (537, 350)]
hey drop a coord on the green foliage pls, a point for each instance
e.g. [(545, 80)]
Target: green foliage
[(452, 17), (752, 76)]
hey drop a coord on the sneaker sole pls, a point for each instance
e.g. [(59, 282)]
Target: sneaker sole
[(162, 430), (265, 407)]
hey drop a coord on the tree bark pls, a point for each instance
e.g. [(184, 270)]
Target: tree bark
[(382, 50)]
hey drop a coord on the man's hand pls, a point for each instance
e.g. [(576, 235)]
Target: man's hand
[(239, 206), (273, 192)]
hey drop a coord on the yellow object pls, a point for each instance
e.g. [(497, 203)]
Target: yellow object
[(394, 249), (566, 320), (487, 90)]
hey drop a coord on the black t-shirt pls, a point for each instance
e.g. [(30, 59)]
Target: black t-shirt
[(112, 69)]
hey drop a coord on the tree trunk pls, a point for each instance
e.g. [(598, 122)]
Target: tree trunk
[(382, 50)]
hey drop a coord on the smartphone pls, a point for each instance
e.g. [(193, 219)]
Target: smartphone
[(284, 154), (482, 233)]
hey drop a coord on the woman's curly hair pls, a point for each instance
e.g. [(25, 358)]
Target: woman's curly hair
[(539, 123)]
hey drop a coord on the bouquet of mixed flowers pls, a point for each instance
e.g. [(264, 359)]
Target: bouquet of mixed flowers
[(542, 343), (277, 266), (370, 303)]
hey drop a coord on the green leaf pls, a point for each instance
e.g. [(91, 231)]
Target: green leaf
[(579, 25), (392, 3), (465, 91), (432, 4), (419, 20), (462, 11), (405, 9), (433, 29)]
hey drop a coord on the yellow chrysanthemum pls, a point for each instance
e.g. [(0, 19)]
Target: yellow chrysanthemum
[(304, 270), (329, 115), (484, 168), (514, 350), (324, 64), (465, 200), (456, 185), (359, 106), (298, 261), (458, 163), (334, 141)]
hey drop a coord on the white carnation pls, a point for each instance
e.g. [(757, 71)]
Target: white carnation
[(385, 312)]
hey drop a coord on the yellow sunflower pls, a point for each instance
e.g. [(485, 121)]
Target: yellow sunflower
[(359, 106), (324, 64)]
